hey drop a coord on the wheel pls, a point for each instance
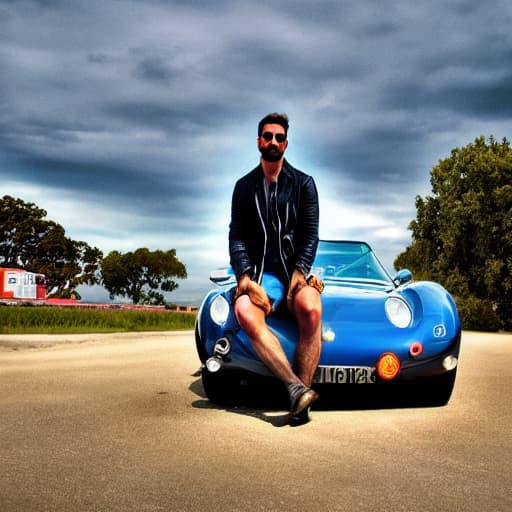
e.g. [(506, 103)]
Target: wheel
[(442, 387), (436, 391), (201, 351), (221, 388)]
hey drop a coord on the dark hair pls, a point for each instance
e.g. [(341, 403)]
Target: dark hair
[(274, 118)]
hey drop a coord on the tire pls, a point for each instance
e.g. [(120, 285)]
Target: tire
[(436, 391), (201, 351), (221, 388)]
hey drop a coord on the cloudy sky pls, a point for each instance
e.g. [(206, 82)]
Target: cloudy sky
[(129, 121)]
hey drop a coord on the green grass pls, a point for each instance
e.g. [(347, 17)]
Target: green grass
[(65, 320)]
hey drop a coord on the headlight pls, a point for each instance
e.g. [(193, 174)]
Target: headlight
[(219, 310), (398, 312)]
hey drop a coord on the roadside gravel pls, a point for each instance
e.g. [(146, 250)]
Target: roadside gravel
[(39, 341)]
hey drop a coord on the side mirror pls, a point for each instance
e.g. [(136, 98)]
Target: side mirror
[(403, 276), (222, 276)]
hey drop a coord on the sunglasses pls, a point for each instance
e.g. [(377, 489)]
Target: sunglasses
[(268, 136)]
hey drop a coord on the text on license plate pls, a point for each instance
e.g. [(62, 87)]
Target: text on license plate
[(345, 375)]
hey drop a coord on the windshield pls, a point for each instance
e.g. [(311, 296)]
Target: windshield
[(348, 261)]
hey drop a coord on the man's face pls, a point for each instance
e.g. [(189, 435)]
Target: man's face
[(272, 143)]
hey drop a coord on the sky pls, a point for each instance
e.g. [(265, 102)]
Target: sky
[(130, 121)]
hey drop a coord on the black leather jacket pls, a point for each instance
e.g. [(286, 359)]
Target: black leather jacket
[(298, 222)]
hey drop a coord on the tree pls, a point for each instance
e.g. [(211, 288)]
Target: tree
[(462, 236), (29, 241), (22, 227), (66, 263), (141, 275)]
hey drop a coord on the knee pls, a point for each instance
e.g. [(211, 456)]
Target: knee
[(240, 308), (308, 306), (244, 312)]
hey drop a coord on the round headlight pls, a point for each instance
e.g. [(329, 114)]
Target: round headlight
[(398, 312), (219, 310)]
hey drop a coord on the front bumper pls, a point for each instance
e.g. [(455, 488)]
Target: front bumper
[(411, 369), (437, 365)]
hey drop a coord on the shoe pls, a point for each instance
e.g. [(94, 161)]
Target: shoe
[(302, 401)]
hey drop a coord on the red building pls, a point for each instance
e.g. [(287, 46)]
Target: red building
[(16, 283)]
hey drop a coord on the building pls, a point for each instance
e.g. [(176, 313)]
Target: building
[(16, 283)]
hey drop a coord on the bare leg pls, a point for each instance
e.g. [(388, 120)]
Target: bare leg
[(252, 320), (308, 311)]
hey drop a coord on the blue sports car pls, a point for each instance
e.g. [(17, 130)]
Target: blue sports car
[(376, 330)]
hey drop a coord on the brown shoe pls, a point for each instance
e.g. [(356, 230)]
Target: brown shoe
[(299, 415), (303, 401)]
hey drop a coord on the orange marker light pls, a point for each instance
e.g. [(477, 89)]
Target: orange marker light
[(388, 366)]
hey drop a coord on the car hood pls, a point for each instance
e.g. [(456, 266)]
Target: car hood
[(356, 291), (355, 325), (345, 301)]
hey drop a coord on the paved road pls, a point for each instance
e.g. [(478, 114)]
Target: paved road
[(120, 423)]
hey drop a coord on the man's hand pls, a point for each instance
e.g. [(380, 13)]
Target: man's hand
[(258, 296), (297, 282), (242, 286)]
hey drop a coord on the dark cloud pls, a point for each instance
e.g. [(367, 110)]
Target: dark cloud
[(488, 100), (154, 68)]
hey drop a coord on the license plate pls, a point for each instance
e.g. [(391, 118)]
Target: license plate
[(345, 375)]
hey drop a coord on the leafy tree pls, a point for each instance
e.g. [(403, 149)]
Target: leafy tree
[(139, 275), (66, 263), (29, 241), (462, 236), (22, 227)]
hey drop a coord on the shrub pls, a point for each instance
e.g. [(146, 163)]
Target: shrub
[(478, 314)]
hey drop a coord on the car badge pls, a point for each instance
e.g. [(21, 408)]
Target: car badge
[(439, 331)]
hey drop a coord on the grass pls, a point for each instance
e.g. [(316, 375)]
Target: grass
[(65, 320)]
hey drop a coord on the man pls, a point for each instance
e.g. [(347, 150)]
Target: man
[(274, 230)]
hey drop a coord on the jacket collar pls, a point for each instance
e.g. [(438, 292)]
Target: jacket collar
[(285, 170)]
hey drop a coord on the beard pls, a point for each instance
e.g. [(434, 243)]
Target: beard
[(271, 154)]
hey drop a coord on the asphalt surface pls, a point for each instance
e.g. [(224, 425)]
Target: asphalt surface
[(121, 423)]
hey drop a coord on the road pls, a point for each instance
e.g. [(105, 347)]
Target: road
[(120, 423)]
